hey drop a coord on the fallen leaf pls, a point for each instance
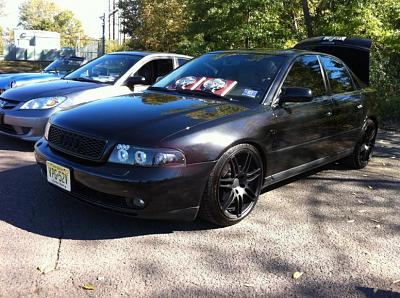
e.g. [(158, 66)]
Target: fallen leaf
[(353, 193), (44, 269), (351, 220), (375, 220), (361, 202), (365, 175), (88, 287), (393, 157), (249, 285), (362, 211), (370, 187), (396, 281), (297, 275), (378, 226), (100, 278)]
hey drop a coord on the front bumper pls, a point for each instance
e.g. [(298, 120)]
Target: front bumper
[(26, 125), (168, 193)]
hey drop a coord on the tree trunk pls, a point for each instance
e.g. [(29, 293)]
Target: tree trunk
[(307, 18)]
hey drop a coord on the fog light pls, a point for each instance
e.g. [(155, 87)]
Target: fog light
[(137, 202)]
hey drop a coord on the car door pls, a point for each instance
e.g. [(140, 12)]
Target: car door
[(347, 103), (152, 70), (302, 131)]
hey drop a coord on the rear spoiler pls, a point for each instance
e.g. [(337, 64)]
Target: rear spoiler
[(355, 52)]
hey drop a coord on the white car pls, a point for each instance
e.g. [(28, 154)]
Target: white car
[(24, 111)]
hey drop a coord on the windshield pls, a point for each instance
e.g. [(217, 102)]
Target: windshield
[(63, 66), (106, 69), (237, 76)]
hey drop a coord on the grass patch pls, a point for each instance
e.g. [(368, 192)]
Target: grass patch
[(21, 66)]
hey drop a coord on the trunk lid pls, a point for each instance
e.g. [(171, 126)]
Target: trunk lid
[(355, 52)]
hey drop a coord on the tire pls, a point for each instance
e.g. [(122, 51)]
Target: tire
[(233, 187), (364, 148)]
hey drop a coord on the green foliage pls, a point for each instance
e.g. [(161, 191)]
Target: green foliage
[(46, 15), (114, 46), (195, 27)]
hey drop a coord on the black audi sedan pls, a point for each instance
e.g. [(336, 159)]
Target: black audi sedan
[(209, 137)]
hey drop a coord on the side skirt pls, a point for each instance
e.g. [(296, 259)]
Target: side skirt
[(278, 177)]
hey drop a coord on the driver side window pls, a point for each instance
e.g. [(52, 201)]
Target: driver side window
[(154, 69), (306, 73)]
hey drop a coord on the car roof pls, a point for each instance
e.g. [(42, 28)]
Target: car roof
[(148, 53), (290, 52), (285, 53)]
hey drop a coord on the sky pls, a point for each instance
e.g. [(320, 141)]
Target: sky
[(87, 11)]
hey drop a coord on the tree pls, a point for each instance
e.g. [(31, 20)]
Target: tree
[(154, 24), (2, 6), (307, 18), (46, 15)]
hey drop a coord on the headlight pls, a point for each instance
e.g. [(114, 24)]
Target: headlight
[(146, 157), (46, 130), (43, 103)]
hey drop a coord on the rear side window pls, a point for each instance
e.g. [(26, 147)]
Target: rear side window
[(154, 69), (306, 73), (339, 78), (182, 61)]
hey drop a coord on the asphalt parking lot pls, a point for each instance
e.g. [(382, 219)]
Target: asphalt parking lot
[(340, 228)]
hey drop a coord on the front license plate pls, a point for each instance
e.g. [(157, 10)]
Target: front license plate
[(58, 175)]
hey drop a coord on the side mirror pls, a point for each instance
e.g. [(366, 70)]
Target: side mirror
[(296, 94), (136, 80)]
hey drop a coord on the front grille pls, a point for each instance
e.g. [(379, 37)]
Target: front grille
[(7, 104), (76, 144)]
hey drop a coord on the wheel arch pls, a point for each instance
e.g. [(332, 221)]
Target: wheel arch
[(256, 145)]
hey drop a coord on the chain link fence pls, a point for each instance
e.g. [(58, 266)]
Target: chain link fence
[(87, 48)]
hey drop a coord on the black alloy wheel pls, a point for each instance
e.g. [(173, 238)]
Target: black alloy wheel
[(364, 148), (234, 186)]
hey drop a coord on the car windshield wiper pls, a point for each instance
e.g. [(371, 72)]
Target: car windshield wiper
[(162, 89), (191, 92), (203, 93), (81, 79)]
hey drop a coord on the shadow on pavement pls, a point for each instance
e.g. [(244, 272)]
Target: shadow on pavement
[(40, 209), (378, 293), (7, 143)]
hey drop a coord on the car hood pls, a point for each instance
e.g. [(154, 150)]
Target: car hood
[(5, 79), (143, 120), (53, 88)]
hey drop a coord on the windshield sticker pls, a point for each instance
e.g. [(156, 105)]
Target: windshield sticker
[(217, 86), (188, 83), (250, 93)]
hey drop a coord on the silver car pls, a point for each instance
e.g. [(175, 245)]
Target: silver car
[(24, 111)]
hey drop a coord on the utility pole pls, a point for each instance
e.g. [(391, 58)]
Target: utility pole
[(113, 19), (109, 20), (103, 38), (112, 15)]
